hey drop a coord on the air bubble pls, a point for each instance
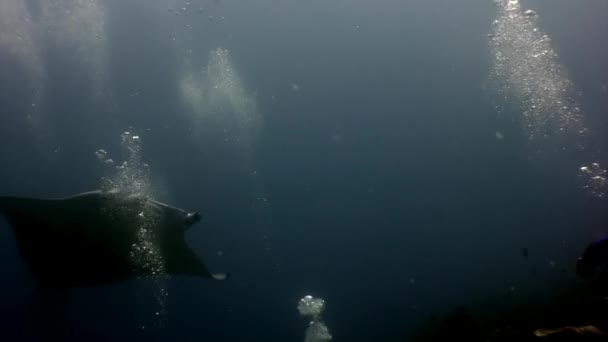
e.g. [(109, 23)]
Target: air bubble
[(530, 14), (310, 306), (594, 179), (317, 331)]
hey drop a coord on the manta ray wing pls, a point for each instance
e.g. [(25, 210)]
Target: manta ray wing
[(87, 239), (57, 240)]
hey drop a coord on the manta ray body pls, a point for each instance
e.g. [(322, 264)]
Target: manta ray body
[(102, 237)]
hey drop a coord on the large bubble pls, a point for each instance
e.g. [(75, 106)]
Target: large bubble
[(317, 332), (309, 306), (313, 307)]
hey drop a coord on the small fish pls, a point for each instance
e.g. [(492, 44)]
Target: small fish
[(524, 252)]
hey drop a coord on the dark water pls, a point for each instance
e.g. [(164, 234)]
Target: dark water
[(354, 152)]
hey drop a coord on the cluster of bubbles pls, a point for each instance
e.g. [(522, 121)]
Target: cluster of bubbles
[(132, 175), (145, 254), (219, 101), (526, 70), (317, 331), (594, 179), (224, 112), (227, 87), (131, 179)]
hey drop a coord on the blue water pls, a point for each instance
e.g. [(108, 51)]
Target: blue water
[(348, 150)]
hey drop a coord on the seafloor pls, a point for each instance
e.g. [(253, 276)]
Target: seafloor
[(578, 312)]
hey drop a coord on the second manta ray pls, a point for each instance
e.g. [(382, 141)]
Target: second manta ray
[(89, 239)]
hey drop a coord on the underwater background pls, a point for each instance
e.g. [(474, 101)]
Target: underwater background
[(394, 158)]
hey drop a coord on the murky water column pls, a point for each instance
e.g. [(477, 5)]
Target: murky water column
[(219, 102), (132, 178), (78, 28), (71, 28), (19, 49), (225, 113), (530, 80)]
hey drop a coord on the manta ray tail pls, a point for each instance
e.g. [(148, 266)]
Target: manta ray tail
[(180, 259)]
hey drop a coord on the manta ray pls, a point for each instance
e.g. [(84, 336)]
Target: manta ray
[(95, 238)]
